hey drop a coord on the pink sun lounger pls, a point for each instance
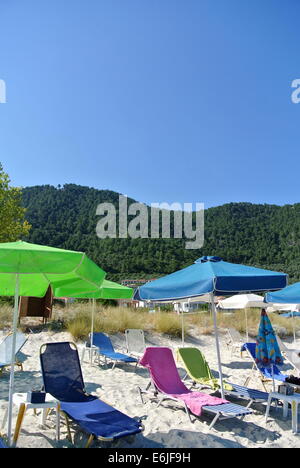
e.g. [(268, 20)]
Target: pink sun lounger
[(167, 384)]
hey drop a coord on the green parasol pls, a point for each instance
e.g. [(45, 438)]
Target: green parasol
[(29, 269)]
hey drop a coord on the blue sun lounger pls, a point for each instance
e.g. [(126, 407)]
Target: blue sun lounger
[(250, 394), (105, 348), (63, 380), (264, 372), (2, 444)]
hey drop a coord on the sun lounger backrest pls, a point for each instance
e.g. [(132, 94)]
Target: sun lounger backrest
[(251, 347), (103, 342), (164, 374), (6, 346), (135, 340), (234, 335), (195, 363), (281, 345), (62, 371)]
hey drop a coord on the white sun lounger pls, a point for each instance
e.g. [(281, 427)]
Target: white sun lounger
[(234, 340), (135, 342), (6, 350), (291, 355)]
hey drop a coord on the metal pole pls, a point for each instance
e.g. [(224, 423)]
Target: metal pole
[(294, 326), (13, 352), (246, 318), (182, 328), (217, 343)]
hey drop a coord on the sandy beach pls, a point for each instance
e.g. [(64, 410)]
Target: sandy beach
[(167, 426)]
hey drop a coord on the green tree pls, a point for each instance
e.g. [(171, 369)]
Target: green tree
[(13, 225)]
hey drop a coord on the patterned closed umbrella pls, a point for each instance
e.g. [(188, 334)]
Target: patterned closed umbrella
[(268, 352)]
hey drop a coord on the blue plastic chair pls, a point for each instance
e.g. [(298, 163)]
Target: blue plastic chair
[(106, 349), (265, 373), (64, 381)]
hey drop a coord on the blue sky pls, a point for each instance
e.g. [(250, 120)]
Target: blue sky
[(162, 100)]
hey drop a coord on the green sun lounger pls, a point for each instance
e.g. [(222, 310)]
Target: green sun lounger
[(197, 368), (199, 372)]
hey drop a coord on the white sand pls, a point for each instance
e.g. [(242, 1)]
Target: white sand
[(167, 426)]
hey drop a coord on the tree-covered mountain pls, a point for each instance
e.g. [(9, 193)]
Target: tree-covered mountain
[(260, 235)]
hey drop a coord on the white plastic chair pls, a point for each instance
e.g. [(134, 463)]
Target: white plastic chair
[(234, 340), (135, 342)]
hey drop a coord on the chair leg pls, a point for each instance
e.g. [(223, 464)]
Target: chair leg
[(68, 428), (214, 421), (83, 355), (141, 395), (250, 404), (5, 418), (20, 419), (188, 413), (90, 441), (160, 402), (264, 386), (247, 381), (46, 413)]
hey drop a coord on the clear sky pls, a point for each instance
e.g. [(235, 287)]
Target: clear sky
[(162, 100)]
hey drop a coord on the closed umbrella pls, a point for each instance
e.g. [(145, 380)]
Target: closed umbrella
[(214, 276), (29, 269), (268, 352)]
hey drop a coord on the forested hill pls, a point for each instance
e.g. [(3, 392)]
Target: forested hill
[(260, 235)]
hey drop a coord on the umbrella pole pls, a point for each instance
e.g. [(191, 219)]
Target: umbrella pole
[(217, 343), (246, 320), (92, 329), (182, 328), (274, 389), (294, 327), (12, 367)]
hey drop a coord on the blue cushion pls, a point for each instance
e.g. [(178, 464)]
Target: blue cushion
[(100, 419)]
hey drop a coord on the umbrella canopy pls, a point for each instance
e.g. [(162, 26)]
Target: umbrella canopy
[(211, 275), (242, 301), (286, 299), (288, 295), (108, 290), (29, 269), (38, 266), (283, 308)]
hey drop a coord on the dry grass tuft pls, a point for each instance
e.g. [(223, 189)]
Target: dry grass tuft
[(76, 319)]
